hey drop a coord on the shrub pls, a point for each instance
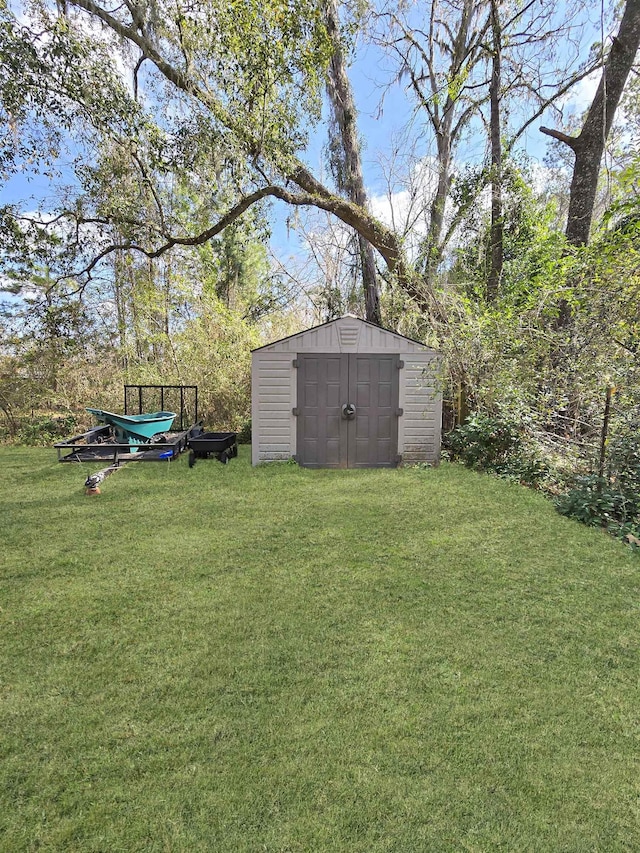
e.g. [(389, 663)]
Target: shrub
[(244, 433), (42, 430), (484, 442), (603, 502), (623, 460), (499, 446)]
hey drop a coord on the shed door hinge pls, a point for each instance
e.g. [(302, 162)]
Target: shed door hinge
[(295, 411), (399, 413), (295, 362), (400, 364)]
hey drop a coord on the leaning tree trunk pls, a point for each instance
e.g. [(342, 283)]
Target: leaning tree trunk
[(588, 147), (351, 180)]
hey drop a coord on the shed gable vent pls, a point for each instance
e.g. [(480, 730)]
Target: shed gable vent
[(348, 336)]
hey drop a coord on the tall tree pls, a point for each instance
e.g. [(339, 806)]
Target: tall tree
[(588, 147), (441, 58), (346, 158), (497, 239), (465, 59), (239, 83), (242, 88)]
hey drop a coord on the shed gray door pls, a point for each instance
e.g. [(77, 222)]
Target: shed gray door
[(328, 439)]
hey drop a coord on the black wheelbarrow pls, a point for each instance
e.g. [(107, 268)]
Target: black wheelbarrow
[(222, 445)]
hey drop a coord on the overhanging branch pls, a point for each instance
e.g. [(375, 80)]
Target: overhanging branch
[(348, 212)]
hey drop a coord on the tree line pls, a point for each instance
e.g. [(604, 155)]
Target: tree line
[(167, 131)]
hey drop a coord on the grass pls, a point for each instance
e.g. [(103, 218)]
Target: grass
[(276, 659)]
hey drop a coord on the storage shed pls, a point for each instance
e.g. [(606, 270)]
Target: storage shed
[(346, 394)]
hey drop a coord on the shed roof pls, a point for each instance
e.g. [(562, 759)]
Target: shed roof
[(344, 335)]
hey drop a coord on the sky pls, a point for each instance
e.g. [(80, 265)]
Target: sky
[(381, 121)]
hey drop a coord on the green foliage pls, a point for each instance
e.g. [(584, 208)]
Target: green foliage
[(611, 501), (532, 247), (623, 458), (45, 429), (603, 502), (253, 71), (244, 432), (497, 445), (484, 442), (516, 356), (53, 78)]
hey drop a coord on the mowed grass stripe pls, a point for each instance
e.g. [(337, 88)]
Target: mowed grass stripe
[(227, 658)]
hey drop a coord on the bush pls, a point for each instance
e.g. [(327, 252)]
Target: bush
[(623, 460), (484, 442), (602, 502), (499, 446), (244, 434), (42, 430)]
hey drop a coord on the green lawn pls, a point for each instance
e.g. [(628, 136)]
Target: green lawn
[(276, 659)]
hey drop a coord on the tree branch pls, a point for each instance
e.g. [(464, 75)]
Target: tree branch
[(571, 141), (174, 75), (314, 193), (558, 93)]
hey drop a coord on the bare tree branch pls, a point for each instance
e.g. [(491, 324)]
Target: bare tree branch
[(571, 141)]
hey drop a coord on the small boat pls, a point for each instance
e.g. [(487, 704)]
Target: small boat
[(136, 429)]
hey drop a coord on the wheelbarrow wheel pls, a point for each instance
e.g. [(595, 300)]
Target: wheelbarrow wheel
[(222, 457)]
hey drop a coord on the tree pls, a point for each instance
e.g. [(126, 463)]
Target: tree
[(441, 58), (248, 83), (497, 233), (238, 85), (346, 160), (588, 146)]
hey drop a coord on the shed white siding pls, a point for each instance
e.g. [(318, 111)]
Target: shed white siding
[(420, 425), (274, 388), (273, 395)]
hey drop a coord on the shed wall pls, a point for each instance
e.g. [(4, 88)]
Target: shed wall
[(273, 394), (420, 425)]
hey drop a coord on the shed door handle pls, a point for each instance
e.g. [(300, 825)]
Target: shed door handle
[(348, 411)]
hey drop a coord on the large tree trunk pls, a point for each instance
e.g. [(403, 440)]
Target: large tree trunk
[(434, 246), (588, 147), (351, 181), (496, 230), (447, 130)]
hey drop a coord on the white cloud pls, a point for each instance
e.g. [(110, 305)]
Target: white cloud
[(581, 95), (392, 207), (406, 203)]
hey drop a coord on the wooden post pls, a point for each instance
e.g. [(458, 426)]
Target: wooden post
[(605, 429), (461, 404)]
